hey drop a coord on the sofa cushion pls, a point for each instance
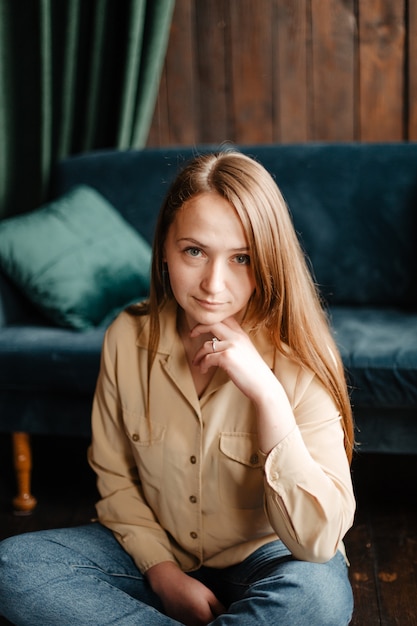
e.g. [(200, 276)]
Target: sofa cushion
[(76, 258), (379, 351)]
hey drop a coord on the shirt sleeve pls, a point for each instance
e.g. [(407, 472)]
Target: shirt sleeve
[(122, 507), (308, 488)]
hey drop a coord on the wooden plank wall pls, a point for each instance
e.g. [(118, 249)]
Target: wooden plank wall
[(287, 71)]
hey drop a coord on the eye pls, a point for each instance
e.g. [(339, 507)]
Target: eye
[(242, 259), (193, 252)]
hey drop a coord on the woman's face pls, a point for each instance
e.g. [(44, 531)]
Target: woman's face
[(208, 260)]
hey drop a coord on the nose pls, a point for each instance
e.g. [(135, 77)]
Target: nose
[(214, 277)]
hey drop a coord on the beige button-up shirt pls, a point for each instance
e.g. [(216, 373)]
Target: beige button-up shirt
[(195, 489)]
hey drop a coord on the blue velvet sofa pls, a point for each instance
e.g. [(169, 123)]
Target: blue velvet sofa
[(355, 210)]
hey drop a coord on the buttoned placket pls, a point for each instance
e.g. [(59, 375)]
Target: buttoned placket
[(186, 386), (173, 364), (194, 497)]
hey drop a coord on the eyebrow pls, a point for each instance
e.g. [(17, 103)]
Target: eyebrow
[(199, 244)]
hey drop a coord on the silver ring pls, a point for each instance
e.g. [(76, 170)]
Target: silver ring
[(213, 343)]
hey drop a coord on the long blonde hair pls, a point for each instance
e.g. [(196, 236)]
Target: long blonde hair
[(285, 301)]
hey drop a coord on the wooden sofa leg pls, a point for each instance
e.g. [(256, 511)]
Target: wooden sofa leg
[(24, 502)]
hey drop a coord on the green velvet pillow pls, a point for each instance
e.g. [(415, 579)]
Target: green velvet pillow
[(76, 258)]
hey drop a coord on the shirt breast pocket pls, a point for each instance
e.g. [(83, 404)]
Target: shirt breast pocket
[(241, 476)]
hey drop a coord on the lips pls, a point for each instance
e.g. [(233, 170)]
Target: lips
[(208, 304)]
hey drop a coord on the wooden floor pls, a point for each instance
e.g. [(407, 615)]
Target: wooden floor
[(382, 545)]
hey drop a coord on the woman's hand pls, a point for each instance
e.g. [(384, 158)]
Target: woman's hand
[(235, 353), (185, 599)]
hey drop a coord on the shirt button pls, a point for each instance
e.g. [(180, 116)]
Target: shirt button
[(193, 460), (193, 499), (193, 535), (254, 459), (135, 437)]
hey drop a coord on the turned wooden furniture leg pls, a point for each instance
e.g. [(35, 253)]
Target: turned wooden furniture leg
[(24, 502)]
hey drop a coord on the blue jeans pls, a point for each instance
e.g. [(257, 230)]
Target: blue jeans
[(82, 576)]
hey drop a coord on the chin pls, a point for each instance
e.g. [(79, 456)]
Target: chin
[(207, 317)]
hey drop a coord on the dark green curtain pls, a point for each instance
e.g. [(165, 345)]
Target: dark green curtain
[(75, 76)]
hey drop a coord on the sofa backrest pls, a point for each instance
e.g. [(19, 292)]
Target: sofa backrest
[(354, 207)]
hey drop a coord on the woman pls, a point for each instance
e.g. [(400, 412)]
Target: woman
[(222, 435)]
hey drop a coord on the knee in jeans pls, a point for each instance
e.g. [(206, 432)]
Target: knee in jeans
[(17, 551), (310, 593), (10, 549), (328, 596), (331, 610), (9, 556)]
